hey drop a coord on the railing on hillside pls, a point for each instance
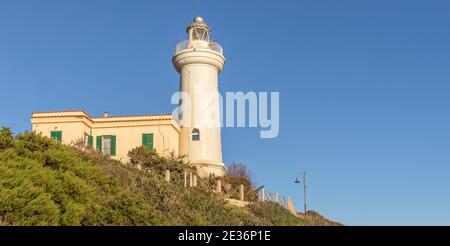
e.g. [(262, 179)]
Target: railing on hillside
[(189, 179)]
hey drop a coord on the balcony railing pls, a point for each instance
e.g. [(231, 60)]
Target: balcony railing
[(182, 46), (217, 47), (185, 45)]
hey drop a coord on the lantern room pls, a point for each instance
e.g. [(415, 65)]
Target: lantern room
[(198, 32)]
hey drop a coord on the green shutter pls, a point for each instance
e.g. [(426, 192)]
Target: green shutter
[(99, 143), (113, 145), (90, 141), (147, 140), (57, 135)]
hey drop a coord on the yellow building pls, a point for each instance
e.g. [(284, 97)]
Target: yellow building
[(194, 133), (114, 136)]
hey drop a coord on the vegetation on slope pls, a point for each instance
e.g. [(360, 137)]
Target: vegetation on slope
[(315, 219), (43, 182)]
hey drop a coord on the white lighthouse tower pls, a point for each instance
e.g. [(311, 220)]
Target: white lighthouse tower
[(199, 61)]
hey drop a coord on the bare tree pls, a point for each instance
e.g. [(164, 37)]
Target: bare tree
[(238, 174)]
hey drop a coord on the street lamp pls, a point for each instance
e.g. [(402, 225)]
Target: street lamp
[(297, 181)]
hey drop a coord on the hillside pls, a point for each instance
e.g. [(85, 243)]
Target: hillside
[(45, 183)]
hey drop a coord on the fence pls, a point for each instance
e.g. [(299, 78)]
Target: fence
[(218, 186), (228, 191)]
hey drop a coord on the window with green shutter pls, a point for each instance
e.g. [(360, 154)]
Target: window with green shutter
[(90, 141), (147, 140), (57, 135), (99, 143), (107, 144), (113, 146)]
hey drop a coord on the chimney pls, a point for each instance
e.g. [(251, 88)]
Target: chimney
[(105, 114)]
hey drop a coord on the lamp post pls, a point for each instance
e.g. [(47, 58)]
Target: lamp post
[(297, 181)]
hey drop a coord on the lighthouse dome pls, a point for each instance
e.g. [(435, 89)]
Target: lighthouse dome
[(198, 22)]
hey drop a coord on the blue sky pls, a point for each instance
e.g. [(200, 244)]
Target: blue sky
[(364, 88)]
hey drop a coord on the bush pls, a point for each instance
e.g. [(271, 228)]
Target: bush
[(153, 161), (6, 138)]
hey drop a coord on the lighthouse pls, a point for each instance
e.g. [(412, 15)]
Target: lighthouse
[(199, 61)]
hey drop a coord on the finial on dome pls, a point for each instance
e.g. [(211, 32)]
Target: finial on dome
[(198, 19)]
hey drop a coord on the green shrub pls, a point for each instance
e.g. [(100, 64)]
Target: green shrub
[(151, 160), (6, 138)]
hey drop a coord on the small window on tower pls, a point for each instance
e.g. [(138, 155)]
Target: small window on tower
[(195, 135)]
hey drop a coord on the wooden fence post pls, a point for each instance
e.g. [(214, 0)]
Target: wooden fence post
[(195, 180), (262, 194), (277, 198), (219, 186), (167, 176), (241, 192), (269, 197), (191, 182), (291, 207), (185, 179)]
